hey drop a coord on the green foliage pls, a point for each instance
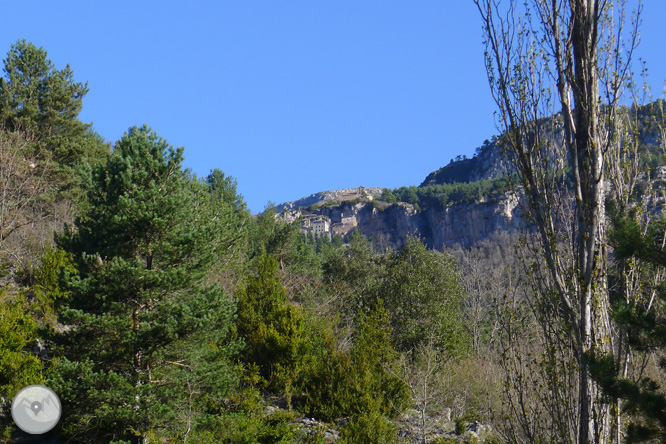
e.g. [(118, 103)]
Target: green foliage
[(644, 400), (47, 287), (472, 385), (439, 196), (229, 211), (445, 441), (147, 347), (142, 343), (461, 425), (243, 419), (302, 254), (645, 326), (148, 343), (371, 357), (462, 422), (253, 428), (353, 273), (18, 367), (226, 187), (368, 428), (421, 290), (44, 103), (357, 383), (272, 235), (271, 327), (423, 295)]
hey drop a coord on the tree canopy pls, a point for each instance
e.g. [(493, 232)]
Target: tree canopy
[(138, 303), (44, 103)]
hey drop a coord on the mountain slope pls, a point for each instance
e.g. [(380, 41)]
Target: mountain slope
[(466, 201), (487, 164)]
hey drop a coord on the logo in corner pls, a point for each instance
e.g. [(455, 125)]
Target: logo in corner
[(36, 409)]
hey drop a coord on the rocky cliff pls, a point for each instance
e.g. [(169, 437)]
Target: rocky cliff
[(441, 224), (466, 224), (487, 163), (389, 225)]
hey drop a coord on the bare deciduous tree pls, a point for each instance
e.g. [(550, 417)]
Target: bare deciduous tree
[(548, 58), (419, 371), (22, 185)]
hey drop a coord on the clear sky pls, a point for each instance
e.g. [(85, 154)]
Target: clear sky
[(289, 97)]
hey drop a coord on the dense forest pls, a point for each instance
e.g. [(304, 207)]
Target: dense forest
[(160, 310)]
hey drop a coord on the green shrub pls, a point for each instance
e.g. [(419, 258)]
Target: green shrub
[(252, 428), (441, 195), (445, 441), (271, 327), (368, 428), (47, 288), (356, 384), (461, 425)]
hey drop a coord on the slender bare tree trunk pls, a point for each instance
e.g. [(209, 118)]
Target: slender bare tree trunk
[(587, 160), (543, 60)]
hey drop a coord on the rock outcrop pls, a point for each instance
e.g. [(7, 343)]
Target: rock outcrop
[(462, 224), (456, 224), (467, 224), (486, 164), (324, 197)]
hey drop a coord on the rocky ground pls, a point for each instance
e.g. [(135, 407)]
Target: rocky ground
[(438, 430)]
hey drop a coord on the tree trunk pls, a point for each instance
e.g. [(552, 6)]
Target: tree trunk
[(587, 156)]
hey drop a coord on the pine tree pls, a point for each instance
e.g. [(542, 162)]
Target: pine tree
[(44, 103), (357, 384), (146, 344), (645, 325)]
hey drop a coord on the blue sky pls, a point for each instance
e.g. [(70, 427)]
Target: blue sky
[(289, 97)]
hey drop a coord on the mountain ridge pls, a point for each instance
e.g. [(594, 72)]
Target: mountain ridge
[(330, 196), (465, 201)]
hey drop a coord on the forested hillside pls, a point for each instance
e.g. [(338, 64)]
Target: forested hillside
[(160, 310)]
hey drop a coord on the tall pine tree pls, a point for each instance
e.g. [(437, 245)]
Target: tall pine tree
[(145, 350), (44, 103)]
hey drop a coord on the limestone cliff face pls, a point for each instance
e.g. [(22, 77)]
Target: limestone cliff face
[(463, 224), (389, 226), (466, 224)]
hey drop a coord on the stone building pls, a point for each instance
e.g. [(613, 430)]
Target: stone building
[(321, 227), (349, 220)]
